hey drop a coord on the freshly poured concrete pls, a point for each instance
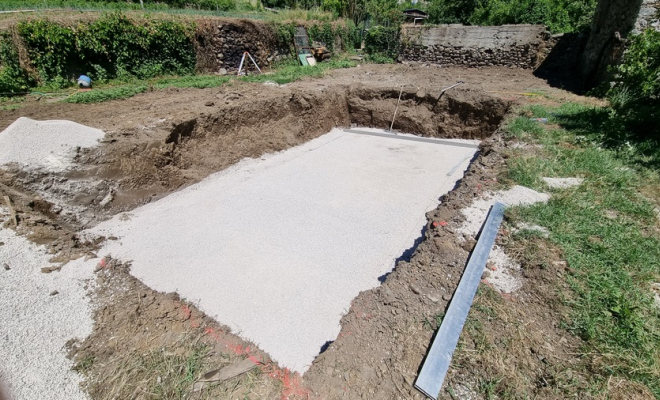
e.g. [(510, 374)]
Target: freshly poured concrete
[(277, 248)]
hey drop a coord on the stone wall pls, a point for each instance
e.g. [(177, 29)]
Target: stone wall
[(648, 16), (522, 46), (221, 43)]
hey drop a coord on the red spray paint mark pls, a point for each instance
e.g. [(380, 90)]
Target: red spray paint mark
[(292, 387)]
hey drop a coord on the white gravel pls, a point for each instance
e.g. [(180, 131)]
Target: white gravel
[(50, 145), (35, 325), (277, 248), (506, 276), (562, 183)]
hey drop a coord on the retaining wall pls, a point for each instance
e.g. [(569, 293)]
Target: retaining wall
[(220, 44), (522, 46)]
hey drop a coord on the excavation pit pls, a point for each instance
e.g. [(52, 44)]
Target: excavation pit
[(277, 247)]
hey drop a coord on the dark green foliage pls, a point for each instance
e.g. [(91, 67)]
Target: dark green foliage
[(382, 41), (322, 33), (347, 33), (635, 96), (558, 15), (451, 11), (284, 33), (13, 78), (214, 5), (112, 46)]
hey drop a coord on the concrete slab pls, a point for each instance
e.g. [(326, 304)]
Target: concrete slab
[(277, 248)]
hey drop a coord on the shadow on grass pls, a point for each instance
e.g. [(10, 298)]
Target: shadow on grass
[(633, 134)]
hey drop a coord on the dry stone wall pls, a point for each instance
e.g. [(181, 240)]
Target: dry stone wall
[(522, 46), (221, 43), (649, 16)]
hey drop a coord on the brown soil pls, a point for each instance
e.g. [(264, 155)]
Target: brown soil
[(161, 141)]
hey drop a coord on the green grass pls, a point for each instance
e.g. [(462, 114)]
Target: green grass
[(606, 229), (291, 71), (199, 81), (101, 95), (121, 89)]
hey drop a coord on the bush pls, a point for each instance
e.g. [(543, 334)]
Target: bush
[(382, 41), (322, 33), (13, 78), (635, 95), (557, 15), (112, 46), (325, 33)]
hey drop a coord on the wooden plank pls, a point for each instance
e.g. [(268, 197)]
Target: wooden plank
[(438, 359)]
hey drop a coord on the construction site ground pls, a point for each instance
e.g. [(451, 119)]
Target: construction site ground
[(159, 142)]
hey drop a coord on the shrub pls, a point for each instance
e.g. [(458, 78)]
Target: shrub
[(112, 46), (635, 95), (557, 15), (382, 41), (13, 78)]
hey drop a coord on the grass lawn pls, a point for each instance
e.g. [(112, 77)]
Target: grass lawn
[(607, 229)]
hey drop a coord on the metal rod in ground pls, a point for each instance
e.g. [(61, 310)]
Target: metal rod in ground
[(442, 92), (452, 86), (437, 361), (240, 66), (396, 108), (254, 62)]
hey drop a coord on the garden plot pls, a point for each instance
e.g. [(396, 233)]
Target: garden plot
[(278, 247)]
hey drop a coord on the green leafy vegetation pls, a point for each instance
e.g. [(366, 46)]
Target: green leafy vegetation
[(606, 228), (101, 95), (13, 78), (109, 47), (635, 95), (557, 15), (199, 82), (382, 43), (328, 33), (110, 5)]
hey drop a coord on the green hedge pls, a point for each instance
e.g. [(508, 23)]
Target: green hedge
[(110, 47), (13, 78)]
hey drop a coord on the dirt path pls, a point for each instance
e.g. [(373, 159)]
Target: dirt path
[(161, 141)]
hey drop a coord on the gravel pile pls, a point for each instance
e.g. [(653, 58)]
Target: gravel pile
[(39, 313), (51, 145)]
